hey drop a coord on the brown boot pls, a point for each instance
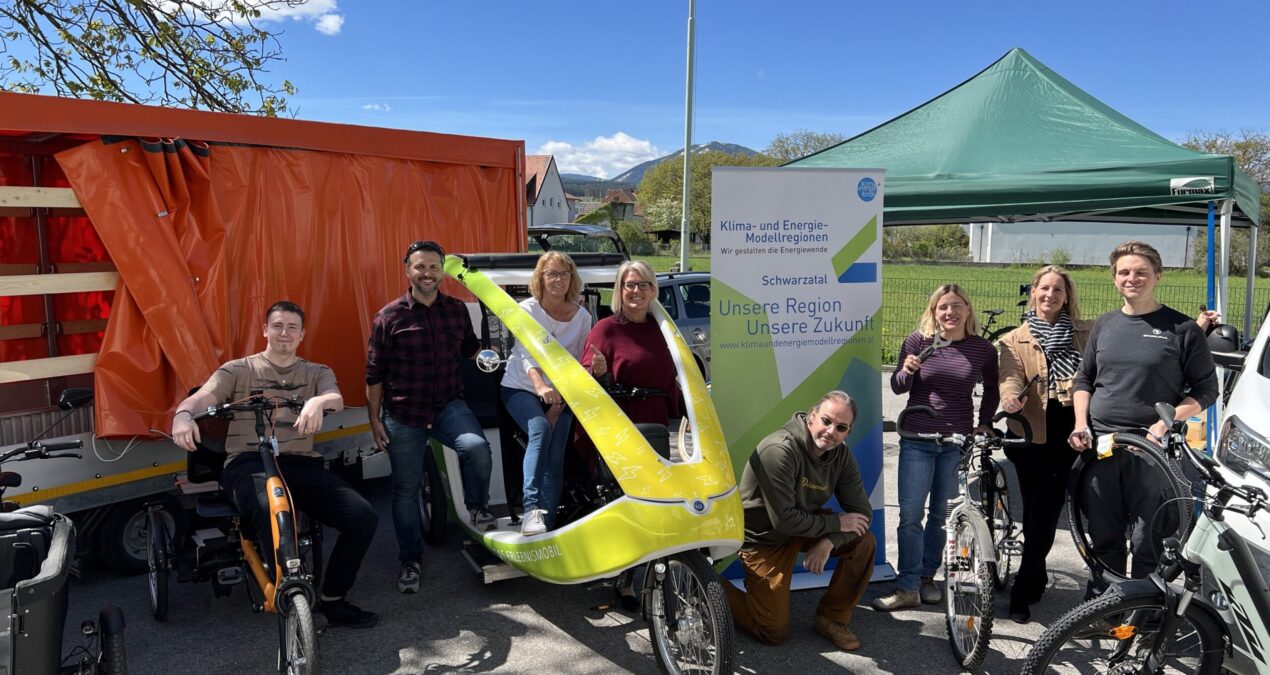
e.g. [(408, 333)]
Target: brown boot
[(900, 599), (837, 633)]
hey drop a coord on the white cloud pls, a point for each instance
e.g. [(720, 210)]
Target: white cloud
[(329, 24), (320, 13), (377, 107), (604, 156)]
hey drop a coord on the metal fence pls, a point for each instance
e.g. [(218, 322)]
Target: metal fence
[(903, 300)]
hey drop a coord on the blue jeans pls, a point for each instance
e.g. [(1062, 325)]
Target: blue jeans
[(544, 452), (454, 426), (927, 469)]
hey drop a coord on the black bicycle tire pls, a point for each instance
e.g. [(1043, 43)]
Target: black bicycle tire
[(716, 606), (1074, 497), (1113, 603), (432, 496), (984, 589), (113, 658), (158, 569), (299, 611), (990, 503)]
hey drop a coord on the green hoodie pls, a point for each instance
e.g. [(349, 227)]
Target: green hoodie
[(781, 498)]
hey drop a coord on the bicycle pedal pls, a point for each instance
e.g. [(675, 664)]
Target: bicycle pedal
[(1012, 547), (230, 576)]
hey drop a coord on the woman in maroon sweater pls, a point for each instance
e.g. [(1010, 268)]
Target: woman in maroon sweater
[(632, 346)]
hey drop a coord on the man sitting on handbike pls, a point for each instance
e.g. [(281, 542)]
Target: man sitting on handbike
[(277, 371)]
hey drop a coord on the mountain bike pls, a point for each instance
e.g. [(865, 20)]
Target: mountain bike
[(989, 330), (1173, 518), (982, 538), (285, 572), (1217, 617)]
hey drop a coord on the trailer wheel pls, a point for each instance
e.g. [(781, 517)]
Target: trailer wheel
[(123, 537)]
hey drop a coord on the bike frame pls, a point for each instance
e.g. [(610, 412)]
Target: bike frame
[(287, 568), (964, 504), (1240, 595)]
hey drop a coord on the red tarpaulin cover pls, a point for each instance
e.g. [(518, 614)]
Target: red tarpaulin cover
[(206, 238)]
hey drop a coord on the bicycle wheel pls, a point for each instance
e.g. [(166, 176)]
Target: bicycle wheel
[(969, 589), (297, 652), (113, 659), (994, 501), (698, 637), (1173, 519), (1111, 634), (999, 333), (158, 563), (433, 511)]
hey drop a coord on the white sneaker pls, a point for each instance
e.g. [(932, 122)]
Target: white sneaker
[(533, 523)]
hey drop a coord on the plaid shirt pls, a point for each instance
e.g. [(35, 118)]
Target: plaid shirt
[(416, 352)]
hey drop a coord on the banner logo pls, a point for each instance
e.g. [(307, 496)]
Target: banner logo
[(1193, 185), (867, 188)]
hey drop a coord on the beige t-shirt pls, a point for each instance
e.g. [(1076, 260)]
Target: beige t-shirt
[(238, 378)]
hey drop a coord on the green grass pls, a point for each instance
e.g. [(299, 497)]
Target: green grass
[(907, 286)]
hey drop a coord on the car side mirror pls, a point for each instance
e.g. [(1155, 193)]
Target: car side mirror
[(74, 397)]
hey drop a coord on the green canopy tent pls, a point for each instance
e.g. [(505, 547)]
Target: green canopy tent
[(1018, 142)]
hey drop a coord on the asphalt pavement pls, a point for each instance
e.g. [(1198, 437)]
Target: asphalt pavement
[(458, 624)]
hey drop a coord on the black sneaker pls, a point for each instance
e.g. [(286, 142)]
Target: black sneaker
[(345, 613)]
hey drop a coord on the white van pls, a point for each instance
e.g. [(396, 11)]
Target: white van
[(1243, 439)]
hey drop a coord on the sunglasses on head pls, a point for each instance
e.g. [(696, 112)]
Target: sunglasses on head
[(422, 245)]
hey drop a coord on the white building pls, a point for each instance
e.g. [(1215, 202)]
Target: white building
[(1078, 243), (545, 202)]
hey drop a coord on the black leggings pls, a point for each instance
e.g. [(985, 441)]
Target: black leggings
[(321, 495), (1042, 469)]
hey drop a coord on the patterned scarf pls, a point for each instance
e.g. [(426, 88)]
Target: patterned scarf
[(1056, 340)]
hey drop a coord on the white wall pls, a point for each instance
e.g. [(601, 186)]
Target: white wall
[(1085, 243), (551, 206)]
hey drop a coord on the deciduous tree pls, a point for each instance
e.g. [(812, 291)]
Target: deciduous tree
[(1251, 150), (788, 147), (205, 54), (663, 186)]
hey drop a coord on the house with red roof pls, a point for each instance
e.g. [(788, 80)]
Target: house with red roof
[(545, 201)]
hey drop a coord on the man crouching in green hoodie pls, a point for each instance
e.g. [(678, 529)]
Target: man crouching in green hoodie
[(784, 487)]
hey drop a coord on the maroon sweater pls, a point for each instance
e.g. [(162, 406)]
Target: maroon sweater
[(945, 382), (638, 357)]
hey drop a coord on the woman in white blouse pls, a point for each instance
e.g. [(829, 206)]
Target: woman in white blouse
[(529, 395)]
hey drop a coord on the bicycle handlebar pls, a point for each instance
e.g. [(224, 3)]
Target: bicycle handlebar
[(253, 404), (997, 439), (40, 450)]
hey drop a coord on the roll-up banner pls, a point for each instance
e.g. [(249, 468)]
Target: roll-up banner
[(796, 265)]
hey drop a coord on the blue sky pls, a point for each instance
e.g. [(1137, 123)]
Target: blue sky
[(601, 84)]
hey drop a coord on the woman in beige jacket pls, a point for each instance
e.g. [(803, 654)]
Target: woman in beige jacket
[(1039, 360)]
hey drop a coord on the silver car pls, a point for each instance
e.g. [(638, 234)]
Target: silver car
[(686, 298)]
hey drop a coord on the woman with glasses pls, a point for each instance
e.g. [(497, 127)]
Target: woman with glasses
[(628, 347), (531, 399), (939, 365)]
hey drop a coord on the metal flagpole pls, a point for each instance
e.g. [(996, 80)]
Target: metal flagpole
[(683, 225)]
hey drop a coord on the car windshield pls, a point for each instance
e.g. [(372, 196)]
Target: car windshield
[(571, 243)]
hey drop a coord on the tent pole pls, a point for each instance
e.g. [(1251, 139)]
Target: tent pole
[(1251, 277), (1210, 300), (1223, 287)]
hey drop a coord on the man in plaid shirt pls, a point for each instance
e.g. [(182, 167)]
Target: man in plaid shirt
[(414, 391)]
